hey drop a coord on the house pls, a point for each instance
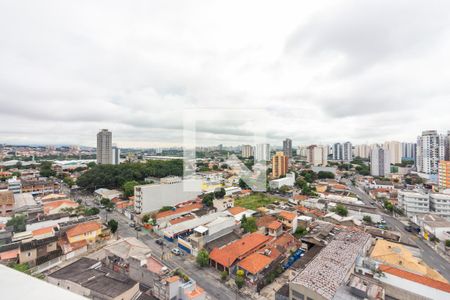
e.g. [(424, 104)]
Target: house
[(166, 216), (264, 221), (89, 278), (435, 226), (223, 204), (6, 203), (88, 232), (225, 257), (38, 251), (286, 243), (288, 219), (58, 206), (174, 287), (107, 194), (239, 212), (255, 264), (274, 228)]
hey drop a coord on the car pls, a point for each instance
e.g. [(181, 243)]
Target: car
[(159, 242), (408, 228), (138, 228), (176, 251), (132, 224)]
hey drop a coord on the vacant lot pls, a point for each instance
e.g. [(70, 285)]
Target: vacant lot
[(256, 200)]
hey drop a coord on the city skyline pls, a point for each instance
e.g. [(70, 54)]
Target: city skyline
[(318, 82)]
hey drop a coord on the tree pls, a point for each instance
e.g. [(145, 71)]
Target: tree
[(388, 205), (284, 189), (239, 280), (202, 258), (113, 225), (208, 199), (341, 210), (91, 211), (145, 218), (128, 188), (45, 169), (447, 243), (220, 193), (367, 219), (248, 224), (91, 164), (223, 275), (325, 175), (19, 223), (300, 231), (69, 181), (243, 185), (166, 208)]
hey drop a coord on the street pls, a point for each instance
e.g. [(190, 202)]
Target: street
[(429, 256)]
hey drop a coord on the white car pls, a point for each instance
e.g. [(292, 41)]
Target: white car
[(176, 251)]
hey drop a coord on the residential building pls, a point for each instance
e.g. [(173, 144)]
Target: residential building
[(413, 202), (262, 152), (6, 203), (151, 197), (347, 152), (337, 151), (440, 204), (174, 287), (247, 151), (38, 251), (88, 232), (395, 151), (289, 220), (435, 226), (301, 151), (89, 278), (115, 155), (280, 164), (287, 148), (15, 185), (289, 180), (444, 174), (409, 151), (362, 151), (430, 150), (104, 147), (380, 162), (317, 155), (330, 269)]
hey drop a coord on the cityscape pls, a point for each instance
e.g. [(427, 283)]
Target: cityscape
[(220, 150)]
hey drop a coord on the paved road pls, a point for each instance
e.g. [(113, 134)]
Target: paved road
[(429, 256), (207, 278)]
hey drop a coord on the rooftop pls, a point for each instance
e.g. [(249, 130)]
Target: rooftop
[(180, 210), (83, 228), (256, 262), (236, 210), (6, 198)]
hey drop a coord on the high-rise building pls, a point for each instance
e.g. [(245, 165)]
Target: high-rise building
[(379, 162), (279, 164), (362, 151), (431, 148), (246, 151), (301, 151), (444, 174), (317, 155), (287, 147), (395, 151), (409, 151), (115, 155), (347, 153), (337, 151), (104, 147), (262, 152)]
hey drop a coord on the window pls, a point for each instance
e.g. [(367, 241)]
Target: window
[(298, 295)]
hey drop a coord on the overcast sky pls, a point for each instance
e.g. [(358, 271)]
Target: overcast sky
[(314, 71)]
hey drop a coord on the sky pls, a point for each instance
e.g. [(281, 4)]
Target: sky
[(233, 71)]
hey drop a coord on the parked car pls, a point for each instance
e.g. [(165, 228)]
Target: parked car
[(159, 242), (132, 224), (138, 228), (176, 251)]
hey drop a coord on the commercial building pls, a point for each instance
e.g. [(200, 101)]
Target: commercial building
[(247, 151), (444, 174), (395, 151), (380, 162), (331, 268), (289, 180), (287, 148), (430, 150), (262, 152), (317, 155), (104, 147), (151, 197), (413, 202), (280, 164)]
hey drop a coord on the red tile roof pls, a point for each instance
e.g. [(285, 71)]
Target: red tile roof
[(275, 225), (180, 210), (181, 220), (290, 216), (256, 262), (236, 210), (83, 228), (264, 221), (41, 231), (416, 278), (228, 254)]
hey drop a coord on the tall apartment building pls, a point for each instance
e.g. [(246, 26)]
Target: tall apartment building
[(337, 151), (301, 151), (409, 151), (262, 152), (395, 151), (279, 164), (347, 152), (246, 151), (115, 155), (414, 202), (287, 148), (379, 162), (431, 148), (104, 147), (444, 174), (362, 151), (317, 155)]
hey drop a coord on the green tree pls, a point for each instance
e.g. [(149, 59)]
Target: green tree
[(388, 205), (202, 258), (128, 188), (243, 185), (208, 199), (447, 243), (45, 169), (19, 223), (113, 225), (248, 224), (284, 189), (91, 211), (300, 231), (341, 210), (145, 218), (166, 208), (69, 181), (220, 193), (325, 175), (367, 219), (239, 280)]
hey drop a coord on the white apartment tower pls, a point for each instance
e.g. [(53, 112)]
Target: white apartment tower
[(409, 151), (337, 151), (104, 147), (262, 152), (362, 151), (379, 162), (347, 153), (246, 151), (317, 155), (395, 151), (431, 148), (115, 155)]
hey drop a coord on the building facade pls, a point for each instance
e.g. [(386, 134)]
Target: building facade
[(395, 151), (104, 147), (317, 155), (347, 152), (431, 148), (379, 162), (262, 152), (444, 174), (287, 148), (247, 151), (279, 164)]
